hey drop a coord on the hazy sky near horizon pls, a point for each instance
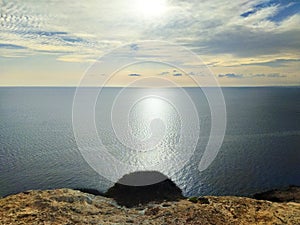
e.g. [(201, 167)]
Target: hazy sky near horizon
[(246, 42)]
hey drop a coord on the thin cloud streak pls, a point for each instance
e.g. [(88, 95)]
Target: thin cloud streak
[(241, 76)]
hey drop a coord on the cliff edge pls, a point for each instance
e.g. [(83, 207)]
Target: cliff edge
[(66, 206)]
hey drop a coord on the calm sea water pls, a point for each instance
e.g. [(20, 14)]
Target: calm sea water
[(261, 148)]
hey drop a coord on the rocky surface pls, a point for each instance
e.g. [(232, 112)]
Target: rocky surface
[(65, 206), (129, 196)]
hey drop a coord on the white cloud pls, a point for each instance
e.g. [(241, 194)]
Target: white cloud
[(208, 26), (214, 29)]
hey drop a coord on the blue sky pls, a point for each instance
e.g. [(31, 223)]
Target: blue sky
[(243, 42)]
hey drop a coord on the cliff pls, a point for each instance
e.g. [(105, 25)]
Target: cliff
[(65, 206)]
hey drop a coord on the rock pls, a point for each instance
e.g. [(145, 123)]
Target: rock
[(203, 200), (131, 196), (152, 211), (165, 205), (90, 191), (56, 207)]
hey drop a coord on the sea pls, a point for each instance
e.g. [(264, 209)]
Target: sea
[(59, 137)]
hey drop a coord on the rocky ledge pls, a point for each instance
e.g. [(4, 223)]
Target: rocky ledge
[(65, 206)]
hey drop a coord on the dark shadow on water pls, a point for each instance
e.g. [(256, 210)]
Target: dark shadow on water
[(288, 194), (131, 196)]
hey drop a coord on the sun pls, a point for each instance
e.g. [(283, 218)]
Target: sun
[(151, 8)]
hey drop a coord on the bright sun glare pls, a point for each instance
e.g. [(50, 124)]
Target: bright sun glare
[(151, 8)]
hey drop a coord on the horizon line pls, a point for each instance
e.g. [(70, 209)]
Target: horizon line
[(74, 86)]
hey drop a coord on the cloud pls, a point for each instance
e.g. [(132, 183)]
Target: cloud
[(134, 75), (11, 46), (73, 58), (46, 29), (134, 47), (285, 9), (270, 75), (242, 28), (275, 75), (197, 74), (244, 42), (48, 33), (177, 74), (258, 7), (164, 73), (273, 63), (221, 30), (231, 75), (243, 35), (72, 39), (260, 75)]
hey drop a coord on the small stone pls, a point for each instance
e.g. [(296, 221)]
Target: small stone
[(152, 211), (166, 205), (203, 200)]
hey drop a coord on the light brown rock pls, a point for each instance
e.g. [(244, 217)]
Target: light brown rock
[(65, 206)]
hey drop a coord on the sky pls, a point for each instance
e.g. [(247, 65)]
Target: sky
[(243, 43)]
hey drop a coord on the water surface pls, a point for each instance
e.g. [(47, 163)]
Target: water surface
[(260, 150)]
